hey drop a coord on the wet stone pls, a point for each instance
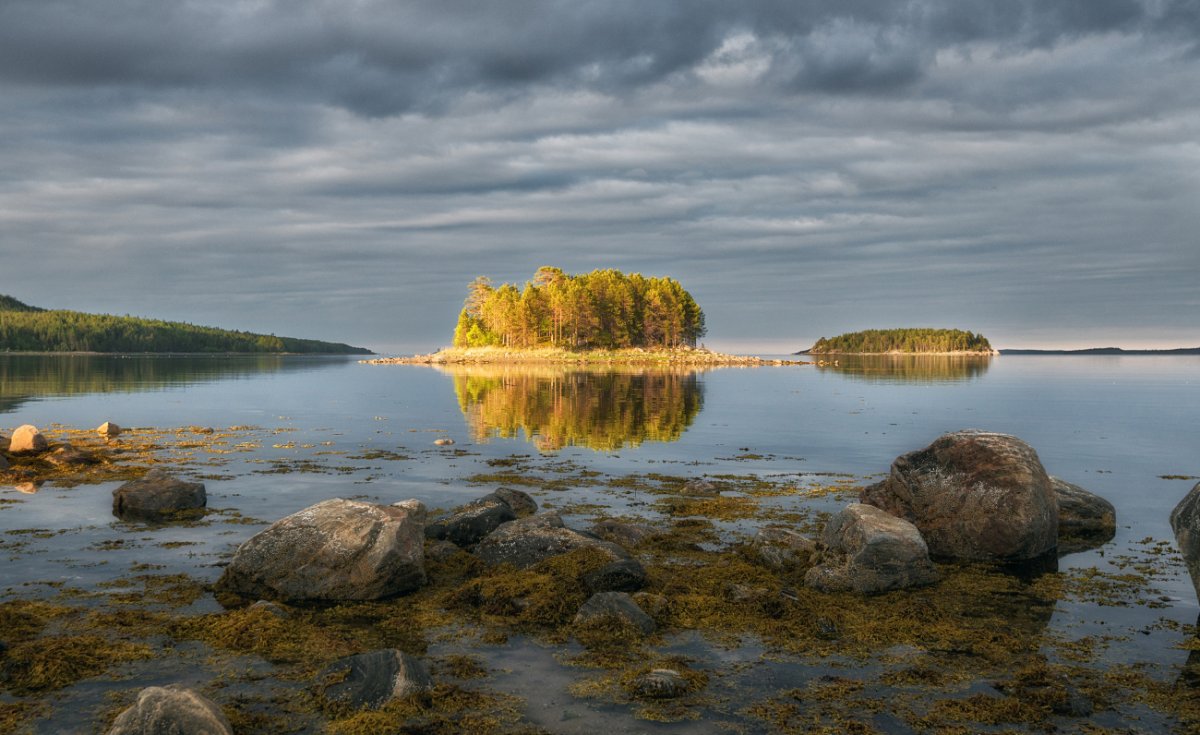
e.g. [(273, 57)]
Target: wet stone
[(370, 680), (620, 606), (623, 575), (522, 503), (470, 523), (1085, 520), (171, 710), (27, 439), (625, 533), (157, 497), (699, 487), (660, 684)]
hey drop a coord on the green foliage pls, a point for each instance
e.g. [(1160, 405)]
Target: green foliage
[(604, 309), (27, 329), (920, 340)]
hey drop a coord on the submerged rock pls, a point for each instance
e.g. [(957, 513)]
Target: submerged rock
[(27, 439), (65, 455), (1085, 520), (171, 710), (370, 680), (1185, 522), (783, 549), (468, 524), (868, 550), (157, 496), (974, 495), (527, 541), (614, 607), (334, 550)]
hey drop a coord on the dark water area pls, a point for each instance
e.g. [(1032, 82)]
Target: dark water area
[(288, 432)]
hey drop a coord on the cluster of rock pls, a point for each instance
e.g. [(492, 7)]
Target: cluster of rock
[(29, 441), (969, 496)]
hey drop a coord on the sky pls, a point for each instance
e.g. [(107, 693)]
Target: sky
[(341, 169)]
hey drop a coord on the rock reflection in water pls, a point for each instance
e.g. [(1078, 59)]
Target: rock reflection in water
[(599, 409), (907, 368)]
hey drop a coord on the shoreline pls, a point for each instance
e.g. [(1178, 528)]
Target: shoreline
[(552, 356), (902, 353)]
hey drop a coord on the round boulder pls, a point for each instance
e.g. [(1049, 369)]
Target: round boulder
[(158, 496), (974, 495), (27, 439), (335, 550), (171, 709), (870, 551)]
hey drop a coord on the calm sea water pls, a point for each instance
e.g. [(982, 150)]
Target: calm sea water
[(315, 428)]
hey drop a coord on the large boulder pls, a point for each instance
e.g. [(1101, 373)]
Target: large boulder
[(1085, 520), (974, 495), (868, 551), (158, 496), (527, 541), (370, 680), (27, 440), (468, 524), (171, 710), (1185, 522), (334, 550)]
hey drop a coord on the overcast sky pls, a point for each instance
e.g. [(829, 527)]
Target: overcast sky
[(342, 169)]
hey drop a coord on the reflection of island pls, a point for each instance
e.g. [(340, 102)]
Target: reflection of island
[(599, 409), (908, 368)]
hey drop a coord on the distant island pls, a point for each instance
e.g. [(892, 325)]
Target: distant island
[(1105, 351), (25, 328), (916, 341), (605, 316)]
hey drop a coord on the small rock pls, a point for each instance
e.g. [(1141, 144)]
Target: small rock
[(700, 487), (614, 605), (625, 533), (521, 502), (468, 524), (27, 440), (109, 430), (782, 549), (623, 575), (444, 442), (527, 541), (870, 551), (28, 488), (659, 684), (370, 680), (66, 455), (1085, 520), (157, 497), (170, 710)]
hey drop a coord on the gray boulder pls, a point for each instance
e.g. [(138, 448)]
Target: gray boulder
[(974, 495), (1185, 522), (171, 710), (623, 575), (468, 524), (335, 550), (527, 541), (522, 503), (870, 551), (158, 496), (370, 680), (1085, 520), (782, 549), (27, 440), (619, 607), (624, 533)]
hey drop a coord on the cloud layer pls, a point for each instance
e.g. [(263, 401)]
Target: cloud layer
[(342, 169)]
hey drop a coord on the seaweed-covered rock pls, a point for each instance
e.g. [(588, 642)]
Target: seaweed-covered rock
[(527, 541), (158, 496), (974, 495), (623, 575), (1185, 522), (171, 710), (468, 524), (27, 439), (659, 684), (1085, 520), (624, 533), (698, 486), (870, 551), (522, 503), (335, 550), (783, 549), (619, 607), (370, 680), (65, 455)]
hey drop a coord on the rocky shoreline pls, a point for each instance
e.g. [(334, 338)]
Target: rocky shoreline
[(682, 356)]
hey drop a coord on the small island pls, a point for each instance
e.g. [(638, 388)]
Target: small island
[(605, 316), (913, 341), (25, 328)]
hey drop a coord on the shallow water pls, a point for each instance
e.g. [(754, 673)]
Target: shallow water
[(315, 428)]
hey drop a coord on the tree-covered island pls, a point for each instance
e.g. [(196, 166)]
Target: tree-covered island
[(918, 341), (602, 316), (25, 328)]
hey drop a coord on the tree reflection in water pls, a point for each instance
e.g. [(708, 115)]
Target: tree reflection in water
[(602, 409), (907, 368)]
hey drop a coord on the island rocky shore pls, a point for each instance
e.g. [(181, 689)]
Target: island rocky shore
[(690, 356)]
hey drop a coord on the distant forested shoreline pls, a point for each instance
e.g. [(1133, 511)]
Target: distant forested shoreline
[(605, 309), (25, 328), (904, 341)]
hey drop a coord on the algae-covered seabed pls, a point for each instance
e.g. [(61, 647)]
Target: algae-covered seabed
[(96, 609)]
